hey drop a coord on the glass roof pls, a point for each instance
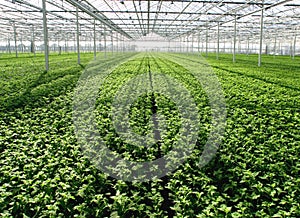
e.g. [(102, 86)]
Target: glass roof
[(133, 19)]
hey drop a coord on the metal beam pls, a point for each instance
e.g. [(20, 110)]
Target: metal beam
[(239, 16), (209, 2), (138, 18), (101, 18), (157, 13)]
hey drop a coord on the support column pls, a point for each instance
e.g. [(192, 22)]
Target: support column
[(74, 42), (46, 44), (58, 44), (112, 42), (65, 49), (234, 42), (279, 46), (239, 45), (95, 48), (104, 42), (180, 49), (22, 45), (187, 44), (9, 48), (15, 37), (192, 43), (123, 44), (117, 43), (261, 34), (33, 42), (67, 43), (206, 43), (218, 41), (275, 47), (78, 43), (224, 46), (198, 42), (294, 46), (248, 45)]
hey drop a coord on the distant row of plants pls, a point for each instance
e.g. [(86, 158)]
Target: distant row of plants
[(45, 174)]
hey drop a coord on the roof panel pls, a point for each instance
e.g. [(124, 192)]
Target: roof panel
[(136, 18)]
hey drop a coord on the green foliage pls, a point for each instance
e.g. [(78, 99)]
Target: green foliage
[(254, 174)]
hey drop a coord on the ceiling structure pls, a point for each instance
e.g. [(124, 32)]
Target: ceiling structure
[(133, 19)]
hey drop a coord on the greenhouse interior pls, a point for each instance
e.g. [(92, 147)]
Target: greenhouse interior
[(150, 108)]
